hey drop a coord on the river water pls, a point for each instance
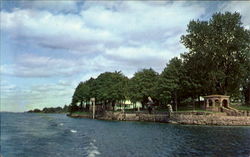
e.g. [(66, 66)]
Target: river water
[(56, 135)]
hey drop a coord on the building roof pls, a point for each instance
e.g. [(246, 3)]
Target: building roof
[(216, 96)]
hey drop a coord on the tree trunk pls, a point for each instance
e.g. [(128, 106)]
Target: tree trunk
[(81, 105), (120, 105), (84, 108), (193, 103), (199, 100), (175, 100), (246, 91), (105, 105), (113, 105)]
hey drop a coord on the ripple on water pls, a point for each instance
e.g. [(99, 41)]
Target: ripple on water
[(29, 135)]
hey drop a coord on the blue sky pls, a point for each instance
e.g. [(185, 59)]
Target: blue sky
[(48, 47)]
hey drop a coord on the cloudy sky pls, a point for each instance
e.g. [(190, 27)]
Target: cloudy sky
[(48, 47)]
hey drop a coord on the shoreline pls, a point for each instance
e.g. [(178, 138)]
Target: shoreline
[(217, 119)]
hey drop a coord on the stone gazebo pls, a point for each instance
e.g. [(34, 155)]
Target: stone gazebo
[(215, 102)]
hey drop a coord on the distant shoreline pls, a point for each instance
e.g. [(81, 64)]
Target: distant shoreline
[(51, 110), (47, 112)]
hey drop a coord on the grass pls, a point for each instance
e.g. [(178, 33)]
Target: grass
[(190, 108), (193, 110), (240, 107)]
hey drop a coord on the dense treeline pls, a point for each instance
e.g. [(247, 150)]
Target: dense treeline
[(217, 62), (51, 110)]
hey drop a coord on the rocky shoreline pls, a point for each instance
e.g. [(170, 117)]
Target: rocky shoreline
[(189, 118), (221, 120)]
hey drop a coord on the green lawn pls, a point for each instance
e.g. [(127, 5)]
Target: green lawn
[(240, 107), (186, 109), (205, 111)]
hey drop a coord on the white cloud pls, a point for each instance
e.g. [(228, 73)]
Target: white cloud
[(114, 36), (138, 53), (36, 66), (36, 96), (136, 20), (98, 27), (54, 6), (30, 65), (54, 31), (99, 36), (7, 87)]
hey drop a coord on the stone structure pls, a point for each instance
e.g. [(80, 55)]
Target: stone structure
[(210, 119), (216, 102), (196, 118), (137, 116), (150, 105)]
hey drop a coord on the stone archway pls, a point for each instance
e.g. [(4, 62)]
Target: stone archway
[(225, 103), (217, 102), (214, 102), (210, 102)]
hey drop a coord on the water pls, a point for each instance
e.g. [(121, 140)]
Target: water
[(55, 135)]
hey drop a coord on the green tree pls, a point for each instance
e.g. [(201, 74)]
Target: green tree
[(143, 85), (218, 53), (83, 92), (111, 88), (246, 84), (77, 96), (170, 82), (90, 91)]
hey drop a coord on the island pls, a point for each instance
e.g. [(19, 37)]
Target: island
[(208, 84)]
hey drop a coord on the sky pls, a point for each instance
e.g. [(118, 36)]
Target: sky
[(48, 47)]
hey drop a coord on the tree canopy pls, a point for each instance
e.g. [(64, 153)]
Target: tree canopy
[(143, 85), (108, 87), (218, 53), (170, 83)]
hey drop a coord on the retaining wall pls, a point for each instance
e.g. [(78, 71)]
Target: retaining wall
[(135, 117), (195, 118), (210, 120)]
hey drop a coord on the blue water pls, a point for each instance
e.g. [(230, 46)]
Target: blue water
[(55, 135)]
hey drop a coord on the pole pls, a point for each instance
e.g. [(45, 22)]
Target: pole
[(93, 109), (93, 106)]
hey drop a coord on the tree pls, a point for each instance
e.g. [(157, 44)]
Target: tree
[(83, 92), (111, 87), (170, 82), (78, 95), (143, 85), (218, 53), (246, 84)]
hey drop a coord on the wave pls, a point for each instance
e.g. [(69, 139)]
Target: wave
[(73, 131), (92, 150)]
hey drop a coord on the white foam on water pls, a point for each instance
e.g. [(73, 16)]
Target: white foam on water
[(61, 124), (73, 131), (92, 150)]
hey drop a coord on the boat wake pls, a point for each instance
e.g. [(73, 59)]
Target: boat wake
[(92, 150)]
